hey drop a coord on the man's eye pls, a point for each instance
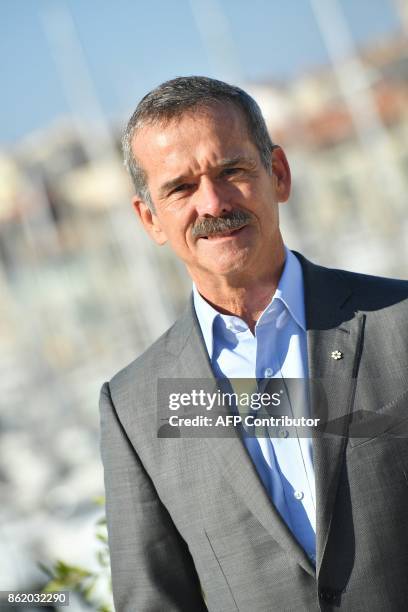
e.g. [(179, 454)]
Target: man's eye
[(230, 171), (183, 187)]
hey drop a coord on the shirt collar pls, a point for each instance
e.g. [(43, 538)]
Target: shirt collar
[(290, 289), (206, 315), (289, 292)]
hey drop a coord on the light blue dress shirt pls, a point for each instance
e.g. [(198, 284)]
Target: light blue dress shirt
[(277, 349)]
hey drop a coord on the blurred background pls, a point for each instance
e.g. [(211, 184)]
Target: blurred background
[(83, 291)]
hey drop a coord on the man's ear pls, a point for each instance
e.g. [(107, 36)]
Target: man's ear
[(149, 221), (281, 174)]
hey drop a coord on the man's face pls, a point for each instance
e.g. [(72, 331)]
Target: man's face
[(215, 203)]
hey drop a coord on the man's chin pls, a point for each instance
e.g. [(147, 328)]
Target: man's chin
[(226, 264)]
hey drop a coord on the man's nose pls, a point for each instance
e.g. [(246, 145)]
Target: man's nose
[(210, 199)]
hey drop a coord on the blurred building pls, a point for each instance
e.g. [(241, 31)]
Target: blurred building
[(348, 206)]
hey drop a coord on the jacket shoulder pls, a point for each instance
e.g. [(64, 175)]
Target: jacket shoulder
[(156, 361), (367, 292), (375, 291), (369, 281)]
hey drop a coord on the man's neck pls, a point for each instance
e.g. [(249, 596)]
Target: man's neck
[(246, 297)]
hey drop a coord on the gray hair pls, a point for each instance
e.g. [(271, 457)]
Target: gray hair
[(173, 98)]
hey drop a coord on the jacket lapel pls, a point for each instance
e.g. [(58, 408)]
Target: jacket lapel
[(334, 338)]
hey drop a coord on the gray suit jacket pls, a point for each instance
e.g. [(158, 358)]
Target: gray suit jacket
[(191, 526)]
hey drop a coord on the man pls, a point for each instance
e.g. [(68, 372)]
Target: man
[(238, 522)]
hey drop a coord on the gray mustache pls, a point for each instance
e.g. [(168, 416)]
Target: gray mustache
[(217, 225)]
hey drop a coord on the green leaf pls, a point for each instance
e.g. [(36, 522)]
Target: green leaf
[(48, 571), (87, 591), (54, 585), (102, 537), (63, 576), (102, 557)]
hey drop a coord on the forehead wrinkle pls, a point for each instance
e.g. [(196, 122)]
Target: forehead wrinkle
[(226, 162), (236, 159)]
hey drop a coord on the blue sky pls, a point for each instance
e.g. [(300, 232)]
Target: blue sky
[(132, 45)]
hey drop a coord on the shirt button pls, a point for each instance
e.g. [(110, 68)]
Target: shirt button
[(268, 373), (283, 433), (298, 495)]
